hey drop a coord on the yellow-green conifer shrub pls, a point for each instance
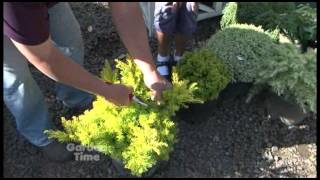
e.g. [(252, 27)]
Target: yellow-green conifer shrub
[(207, 70), (136, 135)]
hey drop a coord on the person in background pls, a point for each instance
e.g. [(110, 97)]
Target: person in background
[(34, 33), (173, 20)]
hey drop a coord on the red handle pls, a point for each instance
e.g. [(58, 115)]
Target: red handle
[(130, 96)]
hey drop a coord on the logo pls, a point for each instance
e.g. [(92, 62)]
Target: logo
[(80, 154)]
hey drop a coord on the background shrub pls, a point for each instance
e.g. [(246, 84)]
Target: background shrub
[(298, 23), (292, 75), (243, 48), (205, 68), (301, 25), (258, 13)]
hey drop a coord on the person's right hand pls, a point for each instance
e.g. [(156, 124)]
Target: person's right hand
[(118, 94), (176, 6)]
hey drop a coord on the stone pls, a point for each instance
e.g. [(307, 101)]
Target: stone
[(90, 28), (274, 148), (289, 114)]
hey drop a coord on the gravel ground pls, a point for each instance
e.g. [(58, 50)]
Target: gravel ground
[(226, 138)]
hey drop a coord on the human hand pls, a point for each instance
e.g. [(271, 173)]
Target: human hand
[(176, 6), (156, 84), (118, 94)]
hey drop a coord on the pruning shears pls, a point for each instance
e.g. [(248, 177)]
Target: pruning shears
[(137, 100)]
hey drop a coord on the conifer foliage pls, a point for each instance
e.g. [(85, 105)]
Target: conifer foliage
[(136, 135), (205, 68)]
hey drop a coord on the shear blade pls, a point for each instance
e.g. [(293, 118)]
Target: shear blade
[(139, 101)]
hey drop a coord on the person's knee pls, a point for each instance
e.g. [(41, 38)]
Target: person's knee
[(12, 81), (10, 86)]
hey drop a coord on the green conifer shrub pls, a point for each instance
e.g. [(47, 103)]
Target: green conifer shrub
[(247, 12), (136, 135), (229, 15), (297, 22), (301, 25), (265, 14), (243, 48), (292, 75), (205, 68)]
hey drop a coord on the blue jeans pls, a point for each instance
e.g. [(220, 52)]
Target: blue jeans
[(23, 96)]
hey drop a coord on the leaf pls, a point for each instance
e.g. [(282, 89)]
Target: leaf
[(107, 73)]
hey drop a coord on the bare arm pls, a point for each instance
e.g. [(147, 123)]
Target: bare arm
[(50, 61), (129, 21)]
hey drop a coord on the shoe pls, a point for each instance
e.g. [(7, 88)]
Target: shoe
[(164, 64), (57, 152), (173, 62)]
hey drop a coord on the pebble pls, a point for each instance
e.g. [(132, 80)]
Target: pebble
[(261, 169), (268, 155), (90, 28), (274, 148)]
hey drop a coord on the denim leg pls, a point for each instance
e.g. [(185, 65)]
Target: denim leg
[(22, 96), (65, 32)]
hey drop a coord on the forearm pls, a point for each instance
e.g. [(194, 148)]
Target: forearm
[(50, 61), (66, 71), (129, 22)]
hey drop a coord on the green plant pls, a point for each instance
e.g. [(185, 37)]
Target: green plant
[(298, 23), (292, 75), (229, 15), (301, 25), (136, 135), (263, 14), (205, 68), (243, 48)]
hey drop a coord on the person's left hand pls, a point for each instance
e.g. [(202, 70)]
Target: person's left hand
[(176, 6), (156, 84)]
